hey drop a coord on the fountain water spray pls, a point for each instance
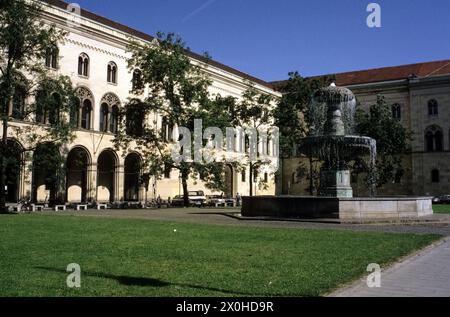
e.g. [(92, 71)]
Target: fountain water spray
[(332, 141)]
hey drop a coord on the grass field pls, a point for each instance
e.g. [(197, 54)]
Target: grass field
[(441, 209), (147, 258)]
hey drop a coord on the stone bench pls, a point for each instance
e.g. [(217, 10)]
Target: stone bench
[(102, 206), (60, 208), (35, 208), (81, 207), (15, 208), (224, 204)]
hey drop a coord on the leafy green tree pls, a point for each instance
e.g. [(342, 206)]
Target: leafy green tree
[(392, 141), (177, 91), (25, 42), (255, 110), (292, 116)]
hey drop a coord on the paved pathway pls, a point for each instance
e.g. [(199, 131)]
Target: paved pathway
[(426, 274)]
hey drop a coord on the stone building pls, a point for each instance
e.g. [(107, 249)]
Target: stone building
[(94, 56), (419, 95)]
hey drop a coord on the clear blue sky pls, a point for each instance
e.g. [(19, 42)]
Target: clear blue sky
[(269, 38)]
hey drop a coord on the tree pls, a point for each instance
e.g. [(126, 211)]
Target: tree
[(255, 111), (25, 41), (293, 118), (392, 141), (178, 92)]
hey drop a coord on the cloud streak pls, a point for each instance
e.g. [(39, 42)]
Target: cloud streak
[(198, 10)]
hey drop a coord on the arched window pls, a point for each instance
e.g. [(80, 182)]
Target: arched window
[(435, 176), (114, 119), (109, 113), (433, 107), (83, 65), (82, 116), (396, 111), (54, 109), (266, 177), (429, 141), (41, 109), (20, 95), (134, 118), (104, 117), (434, 139), (51, 57), (243, 176), (137, 83), (112, 73), (75, 112), (86, 114), (48, 107), (438, 140)]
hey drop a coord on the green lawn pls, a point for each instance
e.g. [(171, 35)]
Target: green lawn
[(147, 258), (441, 209)]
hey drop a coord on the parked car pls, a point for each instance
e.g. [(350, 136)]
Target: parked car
[(444, 199), (212, 200), (177, 201), (196, 199), (230, 201), (437, 200)]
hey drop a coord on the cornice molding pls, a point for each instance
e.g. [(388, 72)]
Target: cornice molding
[(94, 48)]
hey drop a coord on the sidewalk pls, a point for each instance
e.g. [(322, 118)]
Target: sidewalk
[(426, 274)]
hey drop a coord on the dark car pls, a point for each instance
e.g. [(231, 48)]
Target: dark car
[(445, 199), (177, 201), (437, 200)]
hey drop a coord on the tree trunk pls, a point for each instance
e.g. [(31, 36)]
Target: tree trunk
[(251, 180), (4, 146), (184, 178), (311, 176), (7, 107)]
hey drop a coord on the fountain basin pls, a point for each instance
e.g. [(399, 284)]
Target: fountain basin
[(333, 148), (345, 209)]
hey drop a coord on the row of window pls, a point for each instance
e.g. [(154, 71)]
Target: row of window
[(51, 61), (81, 112), (433, 109), (168, 171)]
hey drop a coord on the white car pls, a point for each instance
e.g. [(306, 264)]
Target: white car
[(197, 198), (215, 199)]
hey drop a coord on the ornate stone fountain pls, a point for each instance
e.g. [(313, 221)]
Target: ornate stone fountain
[(333, 142)]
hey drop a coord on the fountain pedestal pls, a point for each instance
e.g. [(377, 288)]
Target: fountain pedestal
[(335, 183)]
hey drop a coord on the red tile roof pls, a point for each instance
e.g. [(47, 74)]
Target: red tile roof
[(386, 74), (393, 73), (146, 37)]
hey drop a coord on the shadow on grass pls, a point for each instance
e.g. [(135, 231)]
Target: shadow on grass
[(147, 282)]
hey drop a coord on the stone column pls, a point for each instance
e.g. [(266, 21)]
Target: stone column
[(91, 185), (25, 181), (119, 183)]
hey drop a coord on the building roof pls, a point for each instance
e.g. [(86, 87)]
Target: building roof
[(420, 70), (146, 37), (393, 73)]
